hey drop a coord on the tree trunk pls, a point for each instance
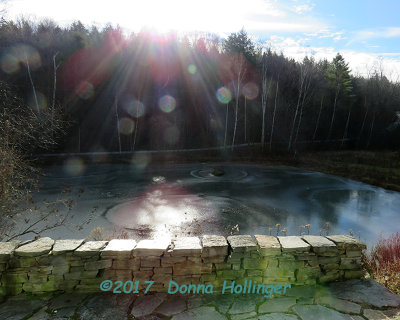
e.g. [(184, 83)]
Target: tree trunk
[(273, 116), (236, 110), (346, 128), (370, 132), (264, 98), (301, 115), (319, 116), (363, 123), (33, 87), (334, 111), (54, 91), (226, 124), (118, 129), (297, 110), (245, 119), (136, 126)]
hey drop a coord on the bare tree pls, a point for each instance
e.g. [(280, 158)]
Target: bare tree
[(53, 106), (303, 75), (273, 116), (346, 128), (31, 80), (265, 88), (226, 123), (240, 69), (117, 118), (318, 118), (245, 118)]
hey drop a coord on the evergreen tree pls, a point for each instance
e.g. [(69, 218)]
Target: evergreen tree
[(339, 81)]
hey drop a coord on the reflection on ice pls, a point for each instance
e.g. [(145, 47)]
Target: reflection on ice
[(186, 199)]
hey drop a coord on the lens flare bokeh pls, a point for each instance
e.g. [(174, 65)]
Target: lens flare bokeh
[(126, 126), (40, 99), (140, 161), (20, 54), (171, 135), (135, 108), (224, 95), (167, 103), (250, 90), (74, 166), (192, 69), (85, 90)]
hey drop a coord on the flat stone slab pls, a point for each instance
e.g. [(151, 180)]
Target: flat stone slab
[(202, 313), (371, 314), (242, 243), (103, 307), (63, 246), (276, 316), (365, 291), (277, 305), (320, 244), (242, 306), (347, 242), (221, 301), (174, 305), (214, 246), (18, 307), (145, 305), (316, 312), (121, 248), (43, 314), (7, 249), (268, 245), (186, 246), (67, 300), (90, 248), (242, 316), (393, 314), (340, 304), (151, 247), (293, 244), (35, 248)]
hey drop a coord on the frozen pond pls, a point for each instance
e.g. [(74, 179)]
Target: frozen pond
[(187, 199)]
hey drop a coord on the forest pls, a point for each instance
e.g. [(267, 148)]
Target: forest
[(91, 90)]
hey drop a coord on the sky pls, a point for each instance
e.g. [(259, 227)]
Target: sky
[(366, 33)]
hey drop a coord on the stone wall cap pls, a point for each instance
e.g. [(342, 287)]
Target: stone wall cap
[(318, 241), (90, 247), (154, 247), (293, 243), (63, 246), (347, 241), (186, 245), (35, 248), (242, 243), (119, 245), (214, 241), (268, 245), (7, 248)]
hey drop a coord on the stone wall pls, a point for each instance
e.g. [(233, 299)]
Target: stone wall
[(46, 265)]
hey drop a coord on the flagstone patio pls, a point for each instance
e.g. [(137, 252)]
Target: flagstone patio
[(353, 299)]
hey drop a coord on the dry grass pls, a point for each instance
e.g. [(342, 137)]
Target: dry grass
[(383, 262)]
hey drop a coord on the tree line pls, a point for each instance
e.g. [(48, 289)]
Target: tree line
[(146, 91)]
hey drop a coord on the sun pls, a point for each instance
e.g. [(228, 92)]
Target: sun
[(180, 16), (214, 16)]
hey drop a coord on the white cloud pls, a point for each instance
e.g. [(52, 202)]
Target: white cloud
[(217, 16), (362, 35), (301, 9), (360, 63)]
